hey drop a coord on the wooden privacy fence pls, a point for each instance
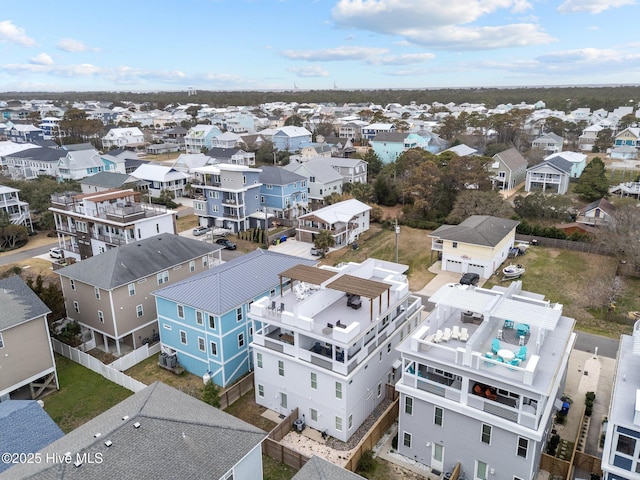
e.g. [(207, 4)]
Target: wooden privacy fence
[(280, 453), (594, 247), (554, 465), (375, 433), (97, 366), (235, 391)]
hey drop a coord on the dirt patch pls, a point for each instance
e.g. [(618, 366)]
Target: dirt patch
[(148, 372), (245, 408)]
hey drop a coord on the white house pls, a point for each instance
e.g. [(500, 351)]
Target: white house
[(325, 343), (345, 220), (123, 137), (162, 178)]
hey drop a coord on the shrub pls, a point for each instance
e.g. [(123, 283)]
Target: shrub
[(366, 464), (560, 419), (588, 410), (590, 396), (394, 442), (552, 444), (211, 394)]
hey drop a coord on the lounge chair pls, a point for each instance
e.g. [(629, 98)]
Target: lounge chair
[(495, 345), (464, 334), (438, 337), (508, 324), (446, 335), (455, 333)]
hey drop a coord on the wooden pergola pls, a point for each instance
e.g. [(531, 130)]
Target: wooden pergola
[(307, 274), (362, 287)]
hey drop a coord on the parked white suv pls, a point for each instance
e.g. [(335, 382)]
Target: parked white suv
[(56, 252)]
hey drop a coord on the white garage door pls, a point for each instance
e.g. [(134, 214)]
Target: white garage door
[(474, 268), (453, 266)]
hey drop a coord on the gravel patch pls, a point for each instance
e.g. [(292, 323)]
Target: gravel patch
[(361, 431)]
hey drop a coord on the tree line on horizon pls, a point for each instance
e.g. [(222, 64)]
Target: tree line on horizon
[(556, 98)]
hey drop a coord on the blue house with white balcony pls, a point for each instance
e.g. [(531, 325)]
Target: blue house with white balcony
[(291, 138), (283, 193), (203, 320), (230, 196)]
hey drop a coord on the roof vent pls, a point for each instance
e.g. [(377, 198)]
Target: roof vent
[(77, 463), (97, 435), (126, 417), (108, 443), (136, 425)]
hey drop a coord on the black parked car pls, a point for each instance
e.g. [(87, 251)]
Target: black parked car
[(229, 245), (470, 279)]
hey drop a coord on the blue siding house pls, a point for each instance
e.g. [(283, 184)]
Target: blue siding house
[(291, 138), (230, 196), (283, 193), (203, 320)]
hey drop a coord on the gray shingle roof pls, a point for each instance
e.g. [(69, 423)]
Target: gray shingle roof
[(511, 158), (43, 154), (320, 469), (278, 176), (233, 283), (108, 179), (19, 303), (390, 137), (221, 153), (179, 437), (477, 230), (127, 263), (26, 428)]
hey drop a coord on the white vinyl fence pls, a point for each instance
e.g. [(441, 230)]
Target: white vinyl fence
[(139, 354), (97, 366)]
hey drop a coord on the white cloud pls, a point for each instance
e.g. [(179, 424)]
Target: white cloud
[(592, 6), (10, 33), (335, 54), (441, 25), (309, 71), (41, 59), (404, 59), (84, 69), (71, 45)]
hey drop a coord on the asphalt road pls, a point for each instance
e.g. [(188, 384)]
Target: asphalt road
[(607, 347), (25, 254)]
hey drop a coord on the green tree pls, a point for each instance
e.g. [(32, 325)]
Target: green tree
[(193, 110), (628, 120), (603, 141), (211, 394), (294, 120), (326, 129), (554, 125), (478, 202), (13, 236), (593, 183), (77, 128), (374, 164), (385, 191), (543, 206), (323, 241)]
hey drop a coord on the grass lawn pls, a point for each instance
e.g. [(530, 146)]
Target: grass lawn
[(148, 372), (186, 222), (83, 395)]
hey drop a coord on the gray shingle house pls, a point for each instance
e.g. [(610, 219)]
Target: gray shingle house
[(157, 433), (508, 169)]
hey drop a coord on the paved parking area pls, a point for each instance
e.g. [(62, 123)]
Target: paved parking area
[(294, 247)]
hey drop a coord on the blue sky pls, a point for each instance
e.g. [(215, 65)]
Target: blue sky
[(141, 45)]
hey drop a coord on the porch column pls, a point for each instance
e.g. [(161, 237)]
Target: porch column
[(105, 341)]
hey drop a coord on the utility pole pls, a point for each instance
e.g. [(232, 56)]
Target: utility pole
[(397, 233)]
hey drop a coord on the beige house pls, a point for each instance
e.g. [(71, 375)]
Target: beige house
[(26, 355), (109, 295), (479, 245)]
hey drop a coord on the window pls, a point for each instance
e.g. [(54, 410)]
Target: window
[(314, 414), (261, 391), (389, 348), (239, 314), (1, 341), (100, 316), (139, 311), (72, 282), (380, 357), (350, 421), (162, 277), (96, 290), (314, 380), (455, 245), (408, 405), (438, 414), (523, 446), (283, 400), (212, 322), (192, 266), (486, 434), (180, 311), (76, 306), (338, 390), (199, 317), (241, 340), (214, 348), (481, 470), (205, 262), (201, 344), (183, 337), (259, 359), (339, 424), (626, 445), (132, 289), (281, 368), (166, 326), (406, 439)]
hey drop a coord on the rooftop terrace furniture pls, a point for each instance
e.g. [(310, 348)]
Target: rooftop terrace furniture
[(446, 335), (495, 345), (464, 334), (522, 353), (508, 324), (455, 333)]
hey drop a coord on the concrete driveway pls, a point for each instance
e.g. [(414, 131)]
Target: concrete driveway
[(294, 247), (441, 279)]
